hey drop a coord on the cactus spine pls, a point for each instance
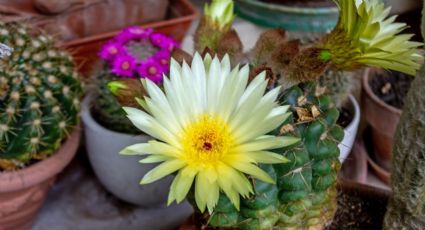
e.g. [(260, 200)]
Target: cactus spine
[(406, 209), (39, 97)]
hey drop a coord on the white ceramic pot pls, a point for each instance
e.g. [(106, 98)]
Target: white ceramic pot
[(350, 131), (119, 174)]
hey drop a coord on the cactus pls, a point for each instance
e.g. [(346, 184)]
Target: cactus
[(106, 108), (406, 209), (307, 189), (305, 193), (133, 53), (39, 97)]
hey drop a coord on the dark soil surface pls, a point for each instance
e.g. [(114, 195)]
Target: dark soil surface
[(391, 87), (359, 209), (309, 3)]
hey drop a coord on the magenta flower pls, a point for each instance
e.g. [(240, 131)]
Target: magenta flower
[(110, 50), (124, 66), (162, 41), (123, 62), (163, 58), (152, 70)]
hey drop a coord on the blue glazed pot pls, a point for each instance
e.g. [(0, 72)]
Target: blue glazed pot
[(291, 18)]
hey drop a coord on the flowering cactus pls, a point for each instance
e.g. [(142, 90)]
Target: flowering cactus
[(138, 52), (132, 54)]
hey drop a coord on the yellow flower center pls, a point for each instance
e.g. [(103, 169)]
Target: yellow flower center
[(206, 141)]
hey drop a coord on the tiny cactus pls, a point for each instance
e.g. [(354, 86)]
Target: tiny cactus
[(406, 209), (134, 53), (39, 97), (214, 32)]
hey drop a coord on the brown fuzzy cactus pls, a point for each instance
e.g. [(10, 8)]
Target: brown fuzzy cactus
[(406, 209)]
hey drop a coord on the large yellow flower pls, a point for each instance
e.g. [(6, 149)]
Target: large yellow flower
[(211, 127)]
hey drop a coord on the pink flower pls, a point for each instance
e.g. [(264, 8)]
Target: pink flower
[(163, 41), (110, 51), (152, 70), (163, 58), (124, 66)]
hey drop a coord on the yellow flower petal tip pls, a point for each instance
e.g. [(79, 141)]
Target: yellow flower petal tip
[(211, 128)]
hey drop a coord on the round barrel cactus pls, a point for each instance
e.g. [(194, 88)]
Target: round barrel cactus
[(305, 192), (39, 97)]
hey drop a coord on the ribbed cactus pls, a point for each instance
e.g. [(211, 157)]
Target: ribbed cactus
[(406, 209), (260, 211), (39, 97), (306, 184), (305, 193)]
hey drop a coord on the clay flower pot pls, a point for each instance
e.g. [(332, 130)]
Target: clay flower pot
[(23, 192), (383, 119)]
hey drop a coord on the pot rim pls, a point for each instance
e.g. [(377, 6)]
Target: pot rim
[(43, 170), (293, 9), (356, 119), (371, 94)]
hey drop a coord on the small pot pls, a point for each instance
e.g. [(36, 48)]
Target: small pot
[(350, 131), (119, 174), (23, 192), (383, 119)]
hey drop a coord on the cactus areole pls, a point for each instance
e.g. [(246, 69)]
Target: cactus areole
[(39, 97)]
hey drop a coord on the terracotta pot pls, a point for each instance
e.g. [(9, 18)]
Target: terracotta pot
[(180, 16), (23, 192), (73, 19), (383, 119)]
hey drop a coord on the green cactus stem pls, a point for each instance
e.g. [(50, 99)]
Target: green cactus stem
[(39, 97)]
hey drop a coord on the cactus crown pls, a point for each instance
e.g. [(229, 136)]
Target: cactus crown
[(39, 97)]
